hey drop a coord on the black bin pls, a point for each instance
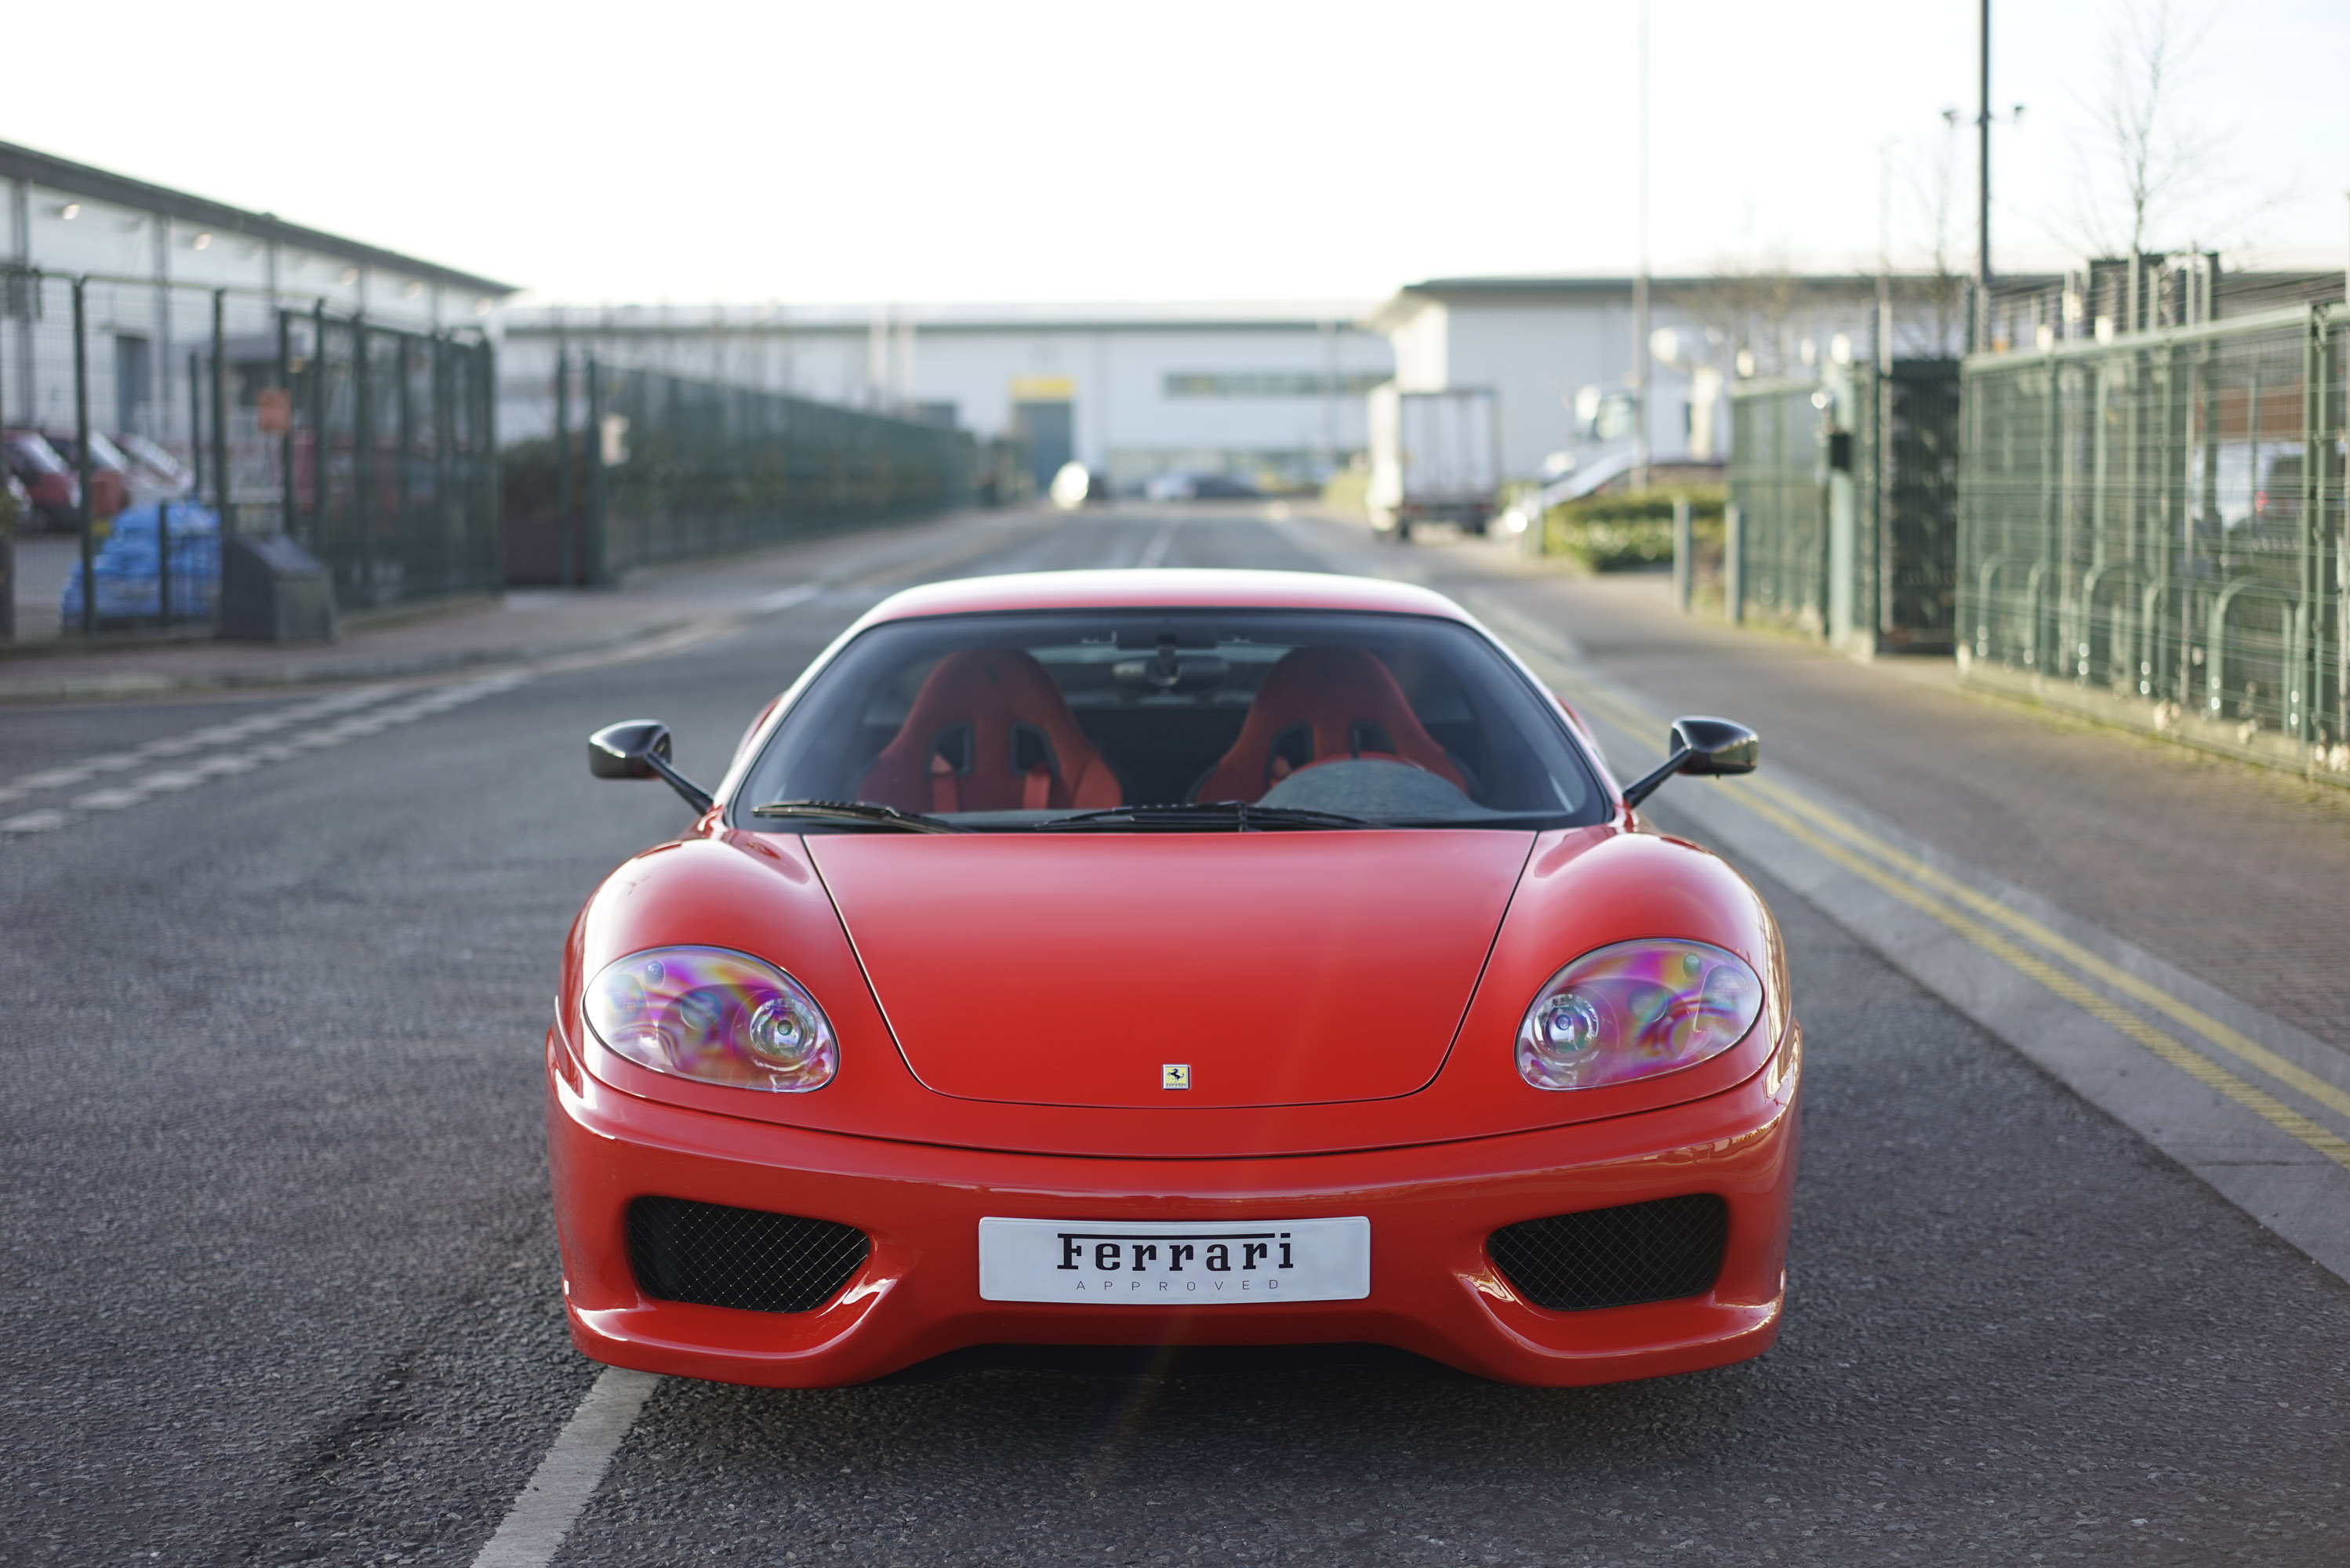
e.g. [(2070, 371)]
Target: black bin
[(273, 590)]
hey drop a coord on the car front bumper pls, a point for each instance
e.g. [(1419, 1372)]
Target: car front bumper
[(1434, 1290)]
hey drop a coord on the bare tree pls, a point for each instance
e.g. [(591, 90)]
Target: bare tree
[(1932, 175), (2146, 159)]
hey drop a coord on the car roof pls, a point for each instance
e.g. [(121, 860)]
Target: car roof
[(1168, 588)]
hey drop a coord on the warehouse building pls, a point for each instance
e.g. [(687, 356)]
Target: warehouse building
[(1271, 394), (1558, 351), (156, 257)]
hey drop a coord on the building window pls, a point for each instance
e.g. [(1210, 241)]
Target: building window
[(1270, 383)]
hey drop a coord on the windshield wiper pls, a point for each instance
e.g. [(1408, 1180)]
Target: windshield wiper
[(1237, 814), (857, 812)]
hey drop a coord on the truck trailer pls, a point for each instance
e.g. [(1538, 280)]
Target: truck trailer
[(1436, 457)]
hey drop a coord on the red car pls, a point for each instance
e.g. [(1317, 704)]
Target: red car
[(1155, 957), (48, 479)]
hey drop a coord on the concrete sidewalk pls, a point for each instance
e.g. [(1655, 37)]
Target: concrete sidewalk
[(518, 626)]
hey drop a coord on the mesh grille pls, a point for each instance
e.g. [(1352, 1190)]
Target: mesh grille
[(1615, 1257), (715, 1256)]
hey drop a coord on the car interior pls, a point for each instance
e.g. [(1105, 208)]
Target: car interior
[(1015, 718), (992, 730)]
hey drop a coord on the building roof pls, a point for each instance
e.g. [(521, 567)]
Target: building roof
[(99, 185), (1414, 298), (664, 320)]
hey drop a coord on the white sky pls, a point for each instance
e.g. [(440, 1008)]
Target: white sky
[(1021, 151)]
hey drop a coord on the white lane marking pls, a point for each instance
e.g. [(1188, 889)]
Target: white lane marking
[(72, 774), (54, 778), (782, 599), (109, 799), (226, 764), (533, 1528), (1155, 553)]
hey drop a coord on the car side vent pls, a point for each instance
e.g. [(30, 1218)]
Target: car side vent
[(1615, 1257), (715, 1256)]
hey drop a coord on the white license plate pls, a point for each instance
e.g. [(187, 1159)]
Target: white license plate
[(1154, 1263)]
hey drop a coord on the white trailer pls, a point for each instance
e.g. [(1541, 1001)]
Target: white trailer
[(1436, 457)]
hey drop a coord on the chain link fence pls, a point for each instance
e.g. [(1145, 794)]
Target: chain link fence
[(646, 467), (2152, 532), (1844, 520), (133, 402)]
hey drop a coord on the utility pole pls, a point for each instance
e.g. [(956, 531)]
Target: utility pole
[(1885, 255), (1640, 284), (1982, 167)]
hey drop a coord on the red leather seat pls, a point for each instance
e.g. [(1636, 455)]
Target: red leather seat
[(1317, 705), (988, 732)]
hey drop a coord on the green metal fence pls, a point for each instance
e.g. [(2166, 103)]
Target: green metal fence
[(1777, 565), (2152, 528), (388, 462), (1845, 491), (646, 467), (373, 446)]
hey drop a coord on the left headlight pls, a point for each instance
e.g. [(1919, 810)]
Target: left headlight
[(1636, 1010), (716, 1016)]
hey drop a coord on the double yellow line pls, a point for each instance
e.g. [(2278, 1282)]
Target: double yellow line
[(1972, 915)]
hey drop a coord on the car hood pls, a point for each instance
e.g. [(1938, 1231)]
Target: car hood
[(1275, 967)]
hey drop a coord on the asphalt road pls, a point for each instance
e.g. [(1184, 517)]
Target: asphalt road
[(283, 1286)]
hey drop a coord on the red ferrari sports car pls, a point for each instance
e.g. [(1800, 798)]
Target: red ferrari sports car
[(1163, 957)]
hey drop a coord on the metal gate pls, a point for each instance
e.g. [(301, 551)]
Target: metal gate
[(1845, 491)]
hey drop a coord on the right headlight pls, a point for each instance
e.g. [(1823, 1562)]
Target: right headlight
[(716, 1016), (1636, 1010)]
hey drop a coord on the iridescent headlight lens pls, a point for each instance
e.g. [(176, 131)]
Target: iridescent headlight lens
[(1634, 1010), (714, 1016)]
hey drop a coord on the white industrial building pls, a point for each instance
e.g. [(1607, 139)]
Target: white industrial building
[(1272, 393), (1558, 352), (154, 256)]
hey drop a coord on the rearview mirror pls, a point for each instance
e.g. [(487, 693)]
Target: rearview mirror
[(1715, 746), (1709, 748), (640, 749)]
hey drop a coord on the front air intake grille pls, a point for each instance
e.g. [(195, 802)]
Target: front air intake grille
[(1615, 1257), (715, 1256)]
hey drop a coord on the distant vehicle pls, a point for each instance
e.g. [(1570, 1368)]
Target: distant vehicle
[(1073, 486), (1183, 487), (110, 471), (156, 474), (1436, 457), (48, 478)]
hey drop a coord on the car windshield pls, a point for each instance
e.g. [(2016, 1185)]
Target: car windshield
[(1157, 720)]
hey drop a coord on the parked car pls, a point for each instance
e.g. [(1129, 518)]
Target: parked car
[(156, 473), (48, 479), (1183, 486), (110, 471), (1156, 957)]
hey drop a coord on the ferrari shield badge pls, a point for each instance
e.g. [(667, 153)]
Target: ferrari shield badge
[(1175, 1075)]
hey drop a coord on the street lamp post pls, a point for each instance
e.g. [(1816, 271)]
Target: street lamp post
[(1982, 172), (1640, 283)]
